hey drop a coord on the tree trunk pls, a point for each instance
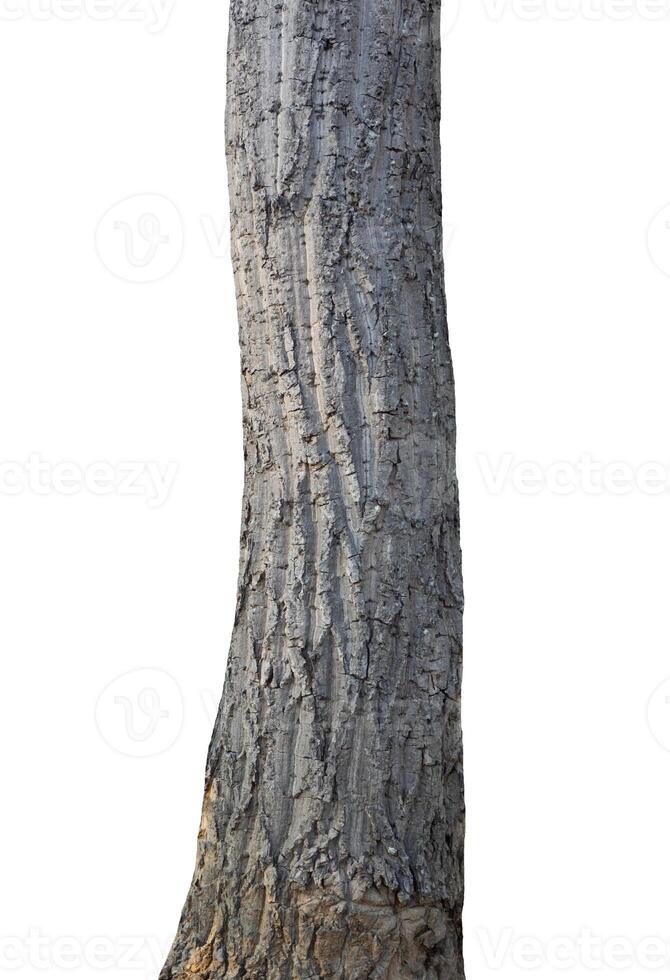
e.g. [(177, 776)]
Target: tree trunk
[(331, 842)]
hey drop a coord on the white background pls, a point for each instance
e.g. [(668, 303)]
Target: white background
[(556, 160)]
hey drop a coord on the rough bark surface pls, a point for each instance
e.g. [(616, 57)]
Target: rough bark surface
[(331, 842)]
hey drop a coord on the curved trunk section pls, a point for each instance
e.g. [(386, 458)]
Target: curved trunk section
[(331, 842)]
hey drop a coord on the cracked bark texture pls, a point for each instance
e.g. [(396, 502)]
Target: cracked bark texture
[(331, 842)]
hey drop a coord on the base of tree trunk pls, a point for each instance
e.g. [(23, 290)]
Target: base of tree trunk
[(315, 934)]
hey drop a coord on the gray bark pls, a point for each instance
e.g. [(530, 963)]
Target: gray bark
[(331, 842)]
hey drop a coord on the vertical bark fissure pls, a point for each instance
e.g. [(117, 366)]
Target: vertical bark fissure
[(331, 842)]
